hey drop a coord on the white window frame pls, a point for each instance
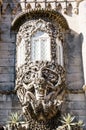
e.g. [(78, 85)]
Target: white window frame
[(59, 52)]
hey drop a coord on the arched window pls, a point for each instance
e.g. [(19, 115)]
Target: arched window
[(59, 52), (21, 53), (40, 46)]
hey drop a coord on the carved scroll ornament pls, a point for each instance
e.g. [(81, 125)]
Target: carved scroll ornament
[(40, 89), (40, 85)]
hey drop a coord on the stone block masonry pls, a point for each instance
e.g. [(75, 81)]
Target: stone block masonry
[(8, 101), (7, 106)]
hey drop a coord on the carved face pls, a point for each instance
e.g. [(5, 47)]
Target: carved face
[(41, 89)]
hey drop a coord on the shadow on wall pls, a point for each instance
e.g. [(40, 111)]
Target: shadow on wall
[(1, 127), (74, 64)]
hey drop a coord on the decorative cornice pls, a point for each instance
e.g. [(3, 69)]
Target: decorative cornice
[(51, 15), (67, 7)]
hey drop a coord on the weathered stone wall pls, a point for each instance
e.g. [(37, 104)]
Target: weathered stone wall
[(8, 104), (8, 101), (75, 98), (74, 62), (75, 102)]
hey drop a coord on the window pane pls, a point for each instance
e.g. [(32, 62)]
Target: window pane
[(35, 49), (21, 53), (45, 49), (40, 47)]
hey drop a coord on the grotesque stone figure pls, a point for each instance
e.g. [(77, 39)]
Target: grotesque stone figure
[(41, 90), (40, 84)]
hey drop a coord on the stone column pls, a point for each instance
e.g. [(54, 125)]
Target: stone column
[(82, 24)]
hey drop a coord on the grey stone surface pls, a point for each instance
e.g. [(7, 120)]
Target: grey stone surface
[(6, 77), (7, 54), (7, 70), (75, 84), (76, 97), (74, 66), (7, 62), (78, 105), (6, 86), (7, 46), (78, 112), (7, 107)]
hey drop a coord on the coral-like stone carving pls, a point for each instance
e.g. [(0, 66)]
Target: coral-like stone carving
[(39, 90), (40, 85)]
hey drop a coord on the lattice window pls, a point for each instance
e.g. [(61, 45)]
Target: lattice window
[(40, 47), (21, 53)]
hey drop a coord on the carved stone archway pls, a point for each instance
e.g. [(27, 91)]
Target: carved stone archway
[(50, 15)]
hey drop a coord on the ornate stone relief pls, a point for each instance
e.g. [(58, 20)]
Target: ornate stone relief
[(40, 84)]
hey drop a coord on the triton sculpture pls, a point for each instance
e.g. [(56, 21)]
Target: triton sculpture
[(40, 82)]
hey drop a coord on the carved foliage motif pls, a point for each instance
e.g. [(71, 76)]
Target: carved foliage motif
[(27, 30), (40, 84)]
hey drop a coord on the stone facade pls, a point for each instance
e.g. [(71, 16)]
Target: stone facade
[(75, 101), (8, 101)]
